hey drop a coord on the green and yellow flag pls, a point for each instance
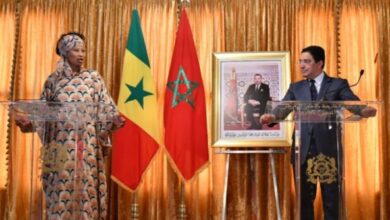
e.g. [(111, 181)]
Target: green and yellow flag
[(135, 145)]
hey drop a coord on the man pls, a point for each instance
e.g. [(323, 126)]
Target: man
[(318, 141), (255, 98)]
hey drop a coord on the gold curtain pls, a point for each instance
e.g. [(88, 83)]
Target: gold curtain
[(358, 51), (217, 26), (258, 26), (7, 22), (383, 75)]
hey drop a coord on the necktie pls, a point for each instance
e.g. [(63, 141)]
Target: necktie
[(257, 87), (313, 90)]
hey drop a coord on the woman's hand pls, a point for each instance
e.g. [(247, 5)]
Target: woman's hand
[(104, 139), (23, 123), (119, 121)]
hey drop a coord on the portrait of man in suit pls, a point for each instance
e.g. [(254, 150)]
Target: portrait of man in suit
[(319, 140), (255, 99)]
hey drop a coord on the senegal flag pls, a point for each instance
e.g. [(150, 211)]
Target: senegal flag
[(135, 145)]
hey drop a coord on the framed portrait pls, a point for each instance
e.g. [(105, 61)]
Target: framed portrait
[(242, 85)]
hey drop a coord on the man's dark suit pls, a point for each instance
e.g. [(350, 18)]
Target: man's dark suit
[(318, 138), (261, 95)]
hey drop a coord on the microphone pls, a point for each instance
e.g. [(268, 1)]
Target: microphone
[(360, 76)]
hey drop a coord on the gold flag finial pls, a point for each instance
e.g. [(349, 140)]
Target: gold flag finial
[(182, 4)]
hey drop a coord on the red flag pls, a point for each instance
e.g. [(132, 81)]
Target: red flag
[(185, 109)]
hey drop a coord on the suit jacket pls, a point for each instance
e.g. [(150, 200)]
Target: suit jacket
[(325, 136), (262, 95)]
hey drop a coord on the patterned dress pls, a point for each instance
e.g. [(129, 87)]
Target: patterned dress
[(75, 190)]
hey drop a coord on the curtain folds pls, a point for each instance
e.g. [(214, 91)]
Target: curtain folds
[(217, 26), (383, 60), (358, 51), (7, 22)]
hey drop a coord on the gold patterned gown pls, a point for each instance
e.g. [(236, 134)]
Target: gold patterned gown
[(71, 194)]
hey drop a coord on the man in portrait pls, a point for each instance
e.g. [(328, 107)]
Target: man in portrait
[(255, 99)]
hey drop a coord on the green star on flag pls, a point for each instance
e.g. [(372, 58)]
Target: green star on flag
[(137, 93), (186, 96), (138, 141)]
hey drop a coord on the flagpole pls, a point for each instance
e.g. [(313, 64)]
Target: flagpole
[(182, 211), (134, 212), (134, 206)]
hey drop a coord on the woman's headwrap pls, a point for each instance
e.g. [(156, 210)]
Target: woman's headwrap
[(66, 44)]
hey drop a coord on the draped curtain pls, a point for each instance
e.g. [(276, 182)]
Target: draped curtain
[(383, 18), (359, 51), (354, 34), (7, 22)]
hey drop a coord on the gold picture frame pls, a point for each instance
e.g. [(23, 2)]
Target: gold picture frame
[(233, 73)]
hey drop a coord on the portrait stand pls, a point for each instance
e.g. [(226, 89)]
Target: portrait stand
[(271, 152), (48, 156), (335, 117)]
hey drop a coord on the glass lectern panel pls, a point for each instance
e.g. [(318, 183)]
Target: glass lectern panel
[(321, 155), (60, 136)]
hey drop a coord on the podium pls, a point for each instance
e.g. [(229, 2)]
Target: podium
[(60, 132), (325, 123)]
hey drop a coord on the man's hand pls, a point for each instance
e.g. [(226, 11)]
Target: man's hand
[(267, 118), (368, 112)]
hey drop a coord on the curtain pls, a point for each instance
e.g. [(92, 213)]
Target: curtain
[(7, 22), (359, 51), (258, 26), (383, 18), (217, 26)]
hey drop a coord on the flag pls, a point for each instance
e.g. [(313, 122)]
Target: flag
[(135, 144), (184, 109)]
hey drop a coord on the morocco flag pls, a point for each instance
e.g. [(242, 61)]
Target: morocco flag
[(185, 110), (135, 145)]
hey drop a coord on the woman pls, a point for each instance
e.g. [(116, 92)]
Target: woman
[(73, 170)]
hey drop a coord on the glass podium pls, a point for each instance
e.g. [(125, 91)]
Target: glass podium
[(327, 125), (57, 131)]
